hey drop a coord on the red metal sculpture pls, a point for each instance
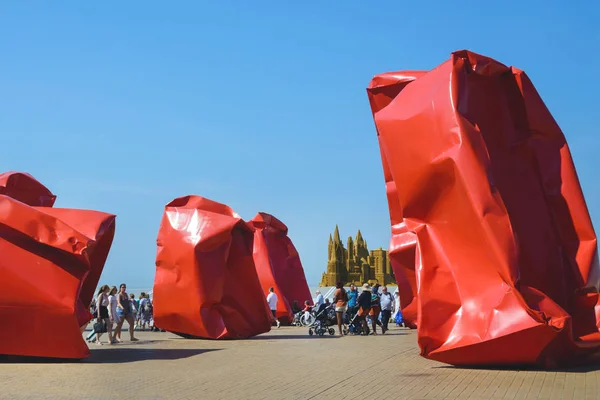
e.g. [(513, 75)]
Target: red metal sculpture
[(278, 265), (26, 189), (206, 283), (51, 260), (479, 176)]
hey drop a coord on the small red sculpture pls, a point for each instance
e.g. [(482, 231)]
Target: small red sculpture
[(206, 283), (480, 180), (278, 265), (51, 260)]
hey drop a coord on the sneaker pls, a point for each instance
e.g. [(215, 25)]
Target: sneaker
[(278, 324)]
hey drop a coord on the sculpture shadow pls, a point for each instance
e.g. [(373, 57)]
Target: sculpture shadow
[(110, 356), (592, 366), (125, 355)]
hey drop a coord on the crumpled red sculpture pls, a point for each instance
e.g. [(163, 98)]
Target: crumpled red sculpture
[(51, 261), (26, 189), (206, 284), (480, 179), (278, 265)]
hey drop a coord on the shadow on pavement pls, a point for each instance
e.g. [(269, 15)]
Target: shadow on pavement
[(111, 356), (592, 367), (286, 337), (131, 354), (307, 336)]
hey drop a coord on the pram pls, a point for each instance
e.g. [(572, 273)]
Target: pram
[(355, 326), (325, 318)]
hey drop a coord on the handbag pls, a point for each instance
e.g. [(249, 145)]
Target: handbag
[(100, 327)]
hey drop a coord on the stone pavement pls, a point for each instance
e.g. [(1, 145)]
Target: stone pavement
[(283, 364)]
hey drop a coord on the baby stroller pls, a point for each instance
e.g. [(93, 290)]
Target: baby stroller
[(355, 325), (324, 319)]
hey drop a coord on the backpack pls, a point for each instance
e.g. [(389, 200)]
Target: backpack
[(148, 307)]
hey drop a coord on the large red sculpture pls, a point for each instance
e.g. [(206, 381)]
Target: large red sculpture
[(206, 284), (480, 179), (50, 263), (278, 265)]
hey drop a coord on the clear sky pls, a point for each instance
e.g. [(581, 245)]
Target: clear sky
[(123, 106)]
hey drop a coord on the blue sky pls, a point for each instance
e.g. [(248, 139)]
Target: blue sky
[(123, 106)]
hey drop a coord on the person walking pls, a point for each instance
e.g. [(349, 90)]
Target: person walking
[(364, 304), (112, 312), (102, 315), (124, 313), (396, 303), (387, 305), (340, 299), (145, 312), (375, 308), (272, 300)]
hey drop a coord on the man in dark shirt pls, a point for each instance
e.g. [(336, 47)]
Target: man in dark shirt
[(364, 304)]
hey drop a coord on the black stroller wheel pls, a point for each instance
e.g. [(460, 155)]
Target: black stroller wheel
[(331, 331)]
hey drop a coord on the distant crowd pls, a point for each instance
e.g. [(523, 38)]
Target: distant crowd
[(353, 311)]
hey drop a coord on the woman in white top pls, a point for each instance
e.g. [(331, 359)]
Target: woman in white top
[(112, 311), (103, 313)]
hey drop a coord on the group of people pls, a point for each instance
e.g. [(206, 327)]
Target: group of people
[(370, 302), (113, 307), (373, 302)]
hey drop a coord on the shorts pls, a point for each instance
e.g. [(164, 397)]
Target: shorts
[(341, 309), (122, 313)]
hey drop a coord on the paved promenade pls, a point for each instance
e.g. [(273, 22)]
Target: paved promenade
[(283, 364)]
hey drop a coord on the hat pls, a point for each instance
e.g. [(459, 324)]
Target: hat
[(366, 287)]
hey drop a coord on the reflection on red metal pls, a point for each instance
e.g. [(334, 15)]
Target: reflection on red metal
[(483, 190), (51, 260), (206, 284), (278, 265), (26, 189)]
